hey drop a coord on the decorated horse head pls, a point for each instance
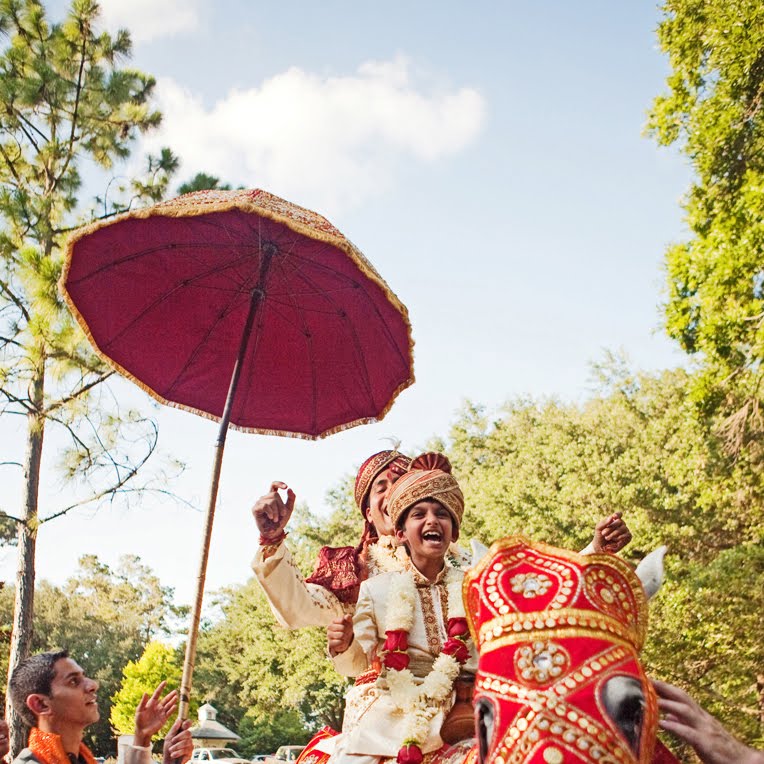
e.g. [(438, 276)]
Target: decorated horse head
[(559, 677)]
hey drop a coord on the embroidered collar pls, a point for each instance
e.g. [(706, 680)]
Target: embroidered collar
[(420, 580)]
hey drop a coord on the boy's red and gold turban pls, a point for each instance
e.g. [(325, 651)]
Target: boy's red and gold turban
[(429, 477)]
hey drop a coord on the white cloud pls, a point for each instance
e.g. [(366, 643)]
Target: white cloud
[(324, 141), (149, 20)]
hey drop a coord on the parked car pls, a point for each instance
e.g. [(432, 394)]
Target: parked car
[(259, 758), (222, 755), (288, 753)]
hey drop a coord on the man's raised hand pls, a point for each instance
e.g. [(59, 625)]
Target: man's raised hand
[(152, 713), (271, 513), (178, 745)]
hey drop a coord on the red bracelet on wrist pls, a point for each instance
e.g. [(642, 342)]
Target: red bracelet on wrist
[(272, 540)]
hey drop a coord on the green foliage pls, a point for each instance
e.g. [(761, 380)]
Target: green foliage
[(713, 109), (703, 635), (159, 662), (262, 732), (550, 471), (65, 101), (201, 182), (708, 616)]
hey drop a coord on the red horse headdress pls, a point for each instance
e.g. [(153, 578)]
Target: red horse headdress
[(559, 678)]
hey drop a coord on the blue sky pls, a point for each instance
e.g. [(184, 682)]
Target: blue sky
[(489, 160)]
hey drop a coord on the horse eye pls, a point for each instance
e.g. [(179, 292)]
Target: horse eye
[(485, 717), (624, 701)]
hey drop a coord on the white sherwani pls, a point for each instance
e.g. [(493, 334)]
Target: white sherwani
[(294, 601), (378, 729)]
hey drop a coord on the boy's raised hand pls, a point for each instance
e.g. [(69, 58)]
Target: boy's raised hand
[(339, 634)]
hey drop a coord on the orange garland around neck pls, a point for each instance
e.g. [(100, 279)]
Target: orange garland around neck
[(48, 748)]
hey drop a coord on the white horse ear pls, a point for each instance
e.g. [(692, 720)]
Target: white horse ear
[(650, 571), (478, 552)]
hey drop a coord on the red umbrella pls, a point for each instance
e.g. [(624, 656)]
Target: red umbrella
[(244, 308)]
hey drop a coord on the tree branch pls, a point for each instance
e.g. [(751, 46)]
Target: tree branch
[(26, 404), (105, 216), (10, 341), (9, 162), (76, 394), (111, 490), (32, 126), (76, 438), (73, 119), (14, 299)]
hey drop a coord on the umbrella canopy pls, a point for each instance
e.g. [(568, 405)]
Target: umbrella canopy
[(164, 294)]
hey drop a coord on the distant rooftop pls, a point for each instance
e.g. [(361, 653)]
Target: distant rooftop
[(211, 729)]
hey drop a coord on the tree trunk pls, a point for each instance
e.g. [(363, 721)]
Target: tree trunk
[(21, 637)]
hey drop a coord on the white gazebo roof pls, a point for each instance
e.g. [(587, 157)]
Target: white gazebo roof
[(209, 728)]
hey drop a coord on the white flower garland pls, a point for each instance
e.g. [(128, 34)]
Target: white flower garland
[(420, 702), (400, 603), (385, 556)]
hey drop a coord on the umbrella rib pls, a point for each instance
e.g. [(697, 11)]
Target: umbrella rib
[(152, 250), (299, 273), (353, 283), (236, 282), (164, 296), (198, 349), (294, 255), (227, 230), (311, 349)]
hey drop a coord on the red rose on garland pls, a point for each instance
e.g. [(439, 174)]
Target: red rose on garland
[(410, 754), (457, 648), (396, 645), (457, 627)]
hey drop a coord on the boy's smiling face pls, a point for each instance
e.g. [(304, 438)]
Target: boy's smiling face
[(427, 530)]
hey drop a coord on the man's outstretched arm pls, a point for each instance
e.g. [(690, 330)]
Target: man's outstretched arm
[(683, 717)]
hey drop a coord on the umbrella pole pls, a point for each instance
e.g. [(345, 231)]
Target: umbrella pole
[(190, 658)]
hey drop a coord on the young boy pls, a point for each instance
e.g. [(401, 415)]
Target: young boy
[(418, 605)]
